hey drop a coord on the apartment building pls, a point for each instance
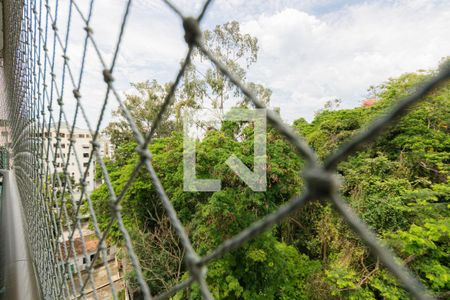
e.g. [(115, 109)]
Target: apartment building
[(4, 134), (5, 143), (78, 161)]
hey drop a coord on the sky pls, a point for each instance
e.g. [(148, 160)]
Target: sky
[(311, 51)]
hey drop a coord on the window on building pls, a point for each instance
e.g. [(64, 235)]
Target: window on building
[(85, 164), (85, 154), (84, 260), (63, 146), (62, 135), (81, 135), (92, 257)]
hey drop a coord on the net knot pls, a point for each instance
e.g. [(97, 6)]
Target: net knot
[(88, 30), (144, 153), (107, 76), (95, 144), (60, 101), (76, 94), (195, 267), (320, 183), (192, 32), (115, 208), (102, 247)]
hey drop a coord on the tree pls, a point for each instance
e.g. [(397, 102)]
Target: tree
[(143, 105), (203, 86), (399, 186)]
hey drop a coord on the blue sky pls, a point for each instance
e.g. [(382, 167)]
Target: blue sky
[(310, 51)]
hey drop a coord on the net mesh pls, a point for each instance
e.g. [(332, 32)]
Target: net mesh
[(43, 86)]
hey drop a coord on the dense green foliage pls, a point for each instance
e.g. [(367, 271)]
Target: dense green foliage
[(398, 184)]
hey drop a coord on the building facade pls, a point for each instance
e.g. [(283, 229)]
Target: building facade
[(80, 160), (5, 144), (4, 134)]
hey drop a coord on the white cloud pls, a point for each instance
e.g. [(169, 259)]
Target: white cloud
[(310, 51), (307, 59)]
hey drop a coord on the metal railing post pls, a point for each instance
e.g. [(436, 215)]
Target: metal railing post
[(18, 272)]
